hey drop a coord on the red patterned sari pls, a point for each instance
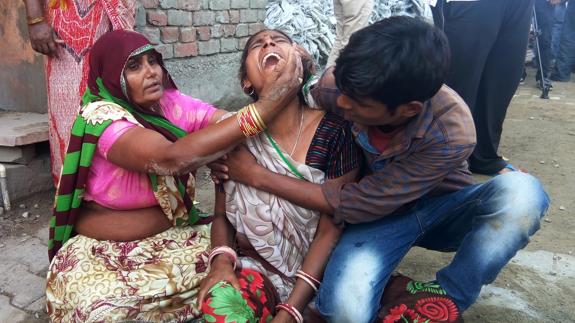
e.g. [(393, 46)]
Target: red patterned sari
[(79, 24)]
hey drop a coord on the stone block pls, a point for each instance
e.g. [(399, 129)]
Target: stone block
[(240, 4), (258, 4), (234, 16), (186, 49), (187, 35), (204, 33), (140, 16), (39, 305), (209, 47), (248, 15), (242, 30), (190, 5), (157, 18), (242, 42), (17, 281), (169, 34), (167, 50), (204, 18), (150, 4), (228, 30), (228, 45), (28, 251), (254, 28), (19, 154), (262, 15), (179, 18), (152, 33), (23, 128), (222, 17), (216, 31), (9, 313), (42, 235), (219, 4), (168, 4), (25, 180)]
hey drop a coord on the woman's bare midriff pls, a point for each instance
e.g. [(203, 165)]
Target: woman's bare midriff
[(98, 222)]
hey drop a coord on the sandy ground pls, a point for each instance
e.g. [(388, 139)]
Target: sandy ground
[(539, 283)]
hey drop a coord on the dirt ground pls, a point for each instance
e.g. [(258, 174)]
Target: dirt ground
[(539, 283)]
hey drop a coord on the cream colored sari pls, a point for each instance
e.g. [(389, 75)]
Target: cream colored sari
[(279, 231)]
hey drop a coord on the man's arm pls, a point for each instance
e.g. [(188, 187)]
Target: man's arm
[(373, 197)]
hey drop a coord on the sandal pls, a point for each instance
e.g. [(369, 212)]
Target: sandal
[(407, 300)]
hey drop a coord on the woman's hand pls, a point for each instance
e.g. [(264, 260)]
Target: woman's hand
[(283, 82), (43, 39), (282, 317), (239, 165), (221, 270)]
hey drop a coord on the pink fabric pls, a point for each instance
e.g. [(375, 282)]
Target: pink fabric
[(121, 189)]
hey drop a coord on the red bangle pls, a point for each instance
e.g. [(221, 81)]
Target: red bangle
[(292, 311), (223, 250), (315, 280)]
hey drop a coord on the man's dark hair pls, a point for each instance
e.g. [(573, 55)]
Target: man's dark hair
[(394, 61)]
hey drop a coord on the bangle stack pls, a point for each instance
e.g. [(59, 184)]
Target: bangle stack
[(250, 121), (35, 20), (224, 250), (309, 279), (292, 311)]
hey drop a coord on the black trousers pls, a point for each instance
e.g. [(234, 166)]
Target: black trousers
[(488, 40), (545, 18)]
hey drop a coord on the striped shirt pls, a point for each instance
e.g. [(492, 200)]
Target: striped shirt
[(426, 158), (332, 149)]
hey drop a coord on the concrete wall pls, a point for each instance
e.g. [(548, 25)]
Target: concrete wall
[(22, 86)]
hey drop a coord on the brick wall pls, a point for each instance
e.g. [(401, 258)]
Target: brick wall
[(190, 28)]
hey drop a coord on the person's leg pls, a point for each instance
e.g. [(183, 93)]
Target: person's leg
[(565, 61), (361, 264), (545, 12), (487, 224), (468, 55), (558, 18), (351, 15), (499, 81)]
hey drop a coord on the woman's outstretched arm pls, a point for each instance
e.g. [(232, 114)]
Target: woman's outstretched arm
[(144, 150)]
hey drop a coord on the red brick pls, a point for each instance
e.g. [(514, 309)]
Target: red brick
[(188, 35), (204, 33), (189, 5), (157, 18), (186, 50), (234, 16), (170, 34), (150, 4), (228, 30)]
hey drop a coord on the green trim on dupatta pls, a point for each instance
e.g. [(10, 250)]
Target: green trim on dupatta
[(78, 160)]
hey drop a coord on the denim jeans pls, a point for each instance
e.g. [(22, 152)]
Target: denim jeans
[(486, 224), (565, 60)]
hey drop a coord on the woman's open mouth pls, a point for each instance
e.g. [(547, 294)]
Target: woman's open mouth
[(270, 60)]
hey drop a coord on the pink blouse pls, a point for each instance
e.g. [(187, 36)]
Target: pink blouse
[(121, 189)]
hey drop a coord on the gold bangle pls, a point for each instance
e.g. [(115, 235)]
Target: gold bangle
[(257, 116), (33, 21)]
